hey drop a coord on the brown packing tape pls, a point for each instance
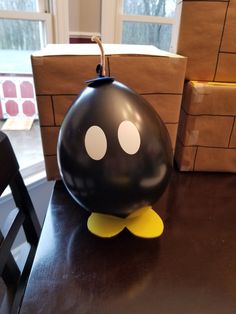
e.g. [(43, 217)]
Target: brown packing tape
[(226, 68), (215, 159), (200, 36), (149, 74), (46, 116), (199, 94), (167, 106), (209, 98), (60, 105), (228, 43)]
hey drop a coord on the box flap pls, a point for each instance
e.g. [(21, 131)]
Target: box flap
[(109, 49)]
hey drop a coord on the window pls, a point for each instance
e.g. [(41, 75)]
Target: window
[(150, 22), (25, 26)]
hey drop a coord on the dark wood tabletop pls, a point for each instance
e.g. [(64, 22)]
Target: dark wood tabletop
[(190, 269)]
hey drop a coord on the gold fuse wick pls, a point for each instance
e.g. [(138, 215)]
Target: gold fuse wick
[(102, 63)]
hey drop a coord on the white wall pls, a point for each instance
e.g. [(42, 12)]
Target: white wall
[(85, 16)]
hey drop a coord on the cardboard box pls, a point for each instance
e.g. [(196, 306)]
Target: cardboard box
[(200, 35), (207, 128), (226, 68), (207, 38), (60, 72), (228, 43)]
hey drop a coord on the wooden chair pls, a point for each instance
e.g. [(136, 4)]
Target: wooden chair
[(24, 216)]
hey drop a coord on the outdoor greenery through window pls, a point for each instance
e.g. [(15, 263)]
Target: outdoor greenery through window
[(148, 22)]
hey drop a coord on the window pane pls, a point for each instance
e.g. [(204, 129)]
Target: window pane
[(140, 33), (19, 38), (20, 34), (150, 7), (19, 5)]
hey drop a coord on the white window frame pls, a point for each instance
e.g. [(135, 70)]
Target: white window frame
[(42, 15), (54, 14), (60, 14), (113, 16)]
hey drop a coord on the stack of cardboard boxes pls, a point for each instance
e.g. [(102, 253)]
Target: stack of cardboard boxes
[(207, 130), (60, 72)]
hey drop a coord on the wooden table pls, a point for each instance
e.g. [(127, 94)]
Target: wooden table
[(190, 269)]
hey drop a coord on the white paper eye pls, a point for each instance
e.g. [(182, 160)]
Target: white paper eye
[(129, 137), (95, 142)]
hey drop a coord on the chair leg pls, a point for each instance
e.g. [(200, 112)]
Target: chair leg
[(9, 270), (24, 203), (19, 294)]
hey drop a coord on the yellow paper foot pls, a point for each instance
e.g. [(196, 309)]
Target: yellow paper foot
[(147, 224), (105, 226), (144, 223)]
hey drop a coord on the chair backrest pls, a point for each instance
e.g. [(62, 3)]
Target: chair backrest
[(22, 216)]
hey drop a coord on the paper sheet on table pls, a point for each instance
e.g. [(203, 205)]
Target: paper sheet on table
[(17, 124)]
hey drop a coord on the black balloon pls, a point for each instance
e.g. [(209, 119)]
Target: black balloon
[(114, 152)]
